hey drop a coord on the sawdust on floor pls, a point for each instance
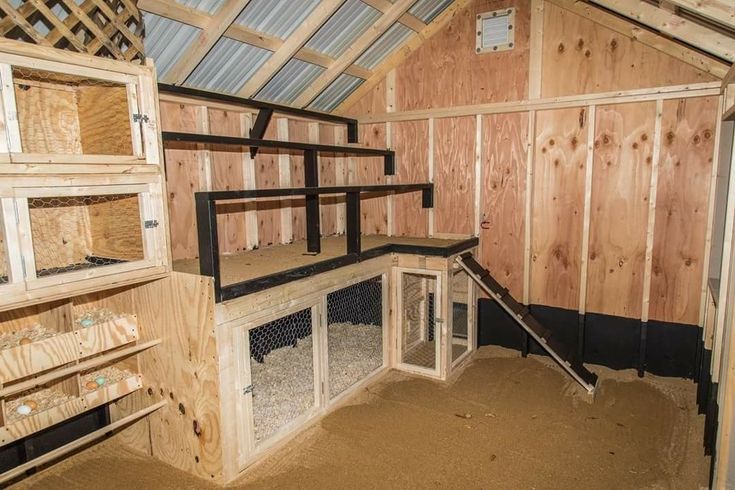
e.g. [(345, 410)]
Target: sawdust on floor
[(504, 422)]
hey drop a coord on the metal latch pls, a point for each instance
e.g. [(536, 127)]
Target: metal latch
[(140, 117), (151, 223), (247, 389)]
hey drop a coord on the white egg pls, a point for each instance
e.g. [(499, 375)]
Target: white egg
[(23, 409)]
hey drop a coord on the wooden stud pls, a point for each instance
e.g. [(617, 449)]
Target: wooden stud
[(284, 180), (478, 174), (589, 165), (536, 49), (431, 172), (655, 157), (529, 207)]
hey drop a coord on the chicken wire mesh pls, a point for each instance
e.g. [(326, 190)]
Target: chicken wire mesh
[(60, 113), (354, 333), (418, 339), (281, 372), (460, 314), (72, 233)]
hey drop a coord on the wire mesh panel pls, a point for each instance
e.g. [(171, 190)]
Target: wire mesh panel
[(354, 333), (69, 114), (72, 233), (418, 336), (281, 372), (460, 314)]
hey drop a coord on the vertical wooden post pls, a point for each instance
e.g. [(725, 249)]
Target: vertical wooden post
[(284, 180), (340, 179), (248, 175), (390, 106), (536, 49), (431, 172), (531, 148), (478, 173), (204, 155)]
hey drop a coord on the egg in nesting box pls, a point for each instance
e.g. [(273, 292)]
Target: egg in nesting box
[(101, 380), (30, 403), (25, 341), (91, 385), (86, 322), (23, 409)]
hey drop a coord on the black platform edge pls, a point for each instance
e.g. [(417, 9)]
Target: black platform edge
[(237, 290)]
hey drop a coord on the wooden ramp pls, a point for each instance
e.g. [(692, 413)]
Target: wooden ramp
[(563, 354)]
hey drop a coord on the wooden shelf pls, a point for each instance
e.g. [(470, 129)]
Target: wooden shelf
[(25, 360)]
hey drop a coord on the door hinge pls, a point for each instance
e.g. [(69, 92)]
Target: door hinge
[(151, 223), (247, 389), (140, 117)]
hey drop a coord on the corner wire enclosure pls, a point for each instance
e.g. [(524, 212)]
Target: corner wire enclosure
[(73, 233), (418, 332), (460, 302), (354, 333), (281, 372), (70, 114)]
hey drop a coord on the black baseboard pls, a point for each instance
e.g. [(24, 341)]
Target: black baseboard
[(661, 348), (40, 443)]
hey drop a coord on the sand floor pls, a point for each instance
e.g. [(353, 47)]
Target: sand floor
[(504, 422)]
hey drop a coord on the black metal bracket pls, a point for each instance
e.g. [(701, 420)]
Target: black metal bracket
[(206, 214), (259, 128)]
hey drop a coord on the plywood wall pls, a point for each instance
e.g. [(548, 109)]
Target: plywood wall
[(410, 142)]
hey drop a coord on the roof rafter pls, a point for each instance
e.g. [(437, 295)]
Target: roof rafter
[(677, 27), (290, 46), (650, 39), (406, 19), (197, 18), (716, 10), (205, 40), (402, 53), (389, 17)]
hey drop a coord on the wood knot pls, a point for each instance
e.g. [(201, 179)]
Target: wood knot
[(560, 48), (587, 53), (635, 145), (606, 139), (197, 428), (697, 139), (707, 134), (182, 410), (688, 262), (580, 43), (670, 137), (614, 44), (551, 142)]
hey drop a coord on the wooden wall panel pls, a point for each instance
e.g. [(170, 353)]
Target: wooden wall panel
[(227, 174), (182, 180), (412, 166), (267, 177), (372, 103), (374, 207), (454, 170), (685, 168), (328, 178), (502, 198), (445, 71), (558, 207), (298, 131), (624, 137), (602, 60)]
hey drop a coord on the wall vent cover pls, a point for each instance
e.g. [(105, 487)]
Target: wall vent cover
[(495, 31)]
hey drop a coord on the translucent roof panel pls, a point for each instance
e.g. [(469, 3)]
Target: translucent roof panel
[(343, 28), (165, 40), (278, 18), (385, 45), (427, 10), (290, 81), (208, 6), (337, 92), (228, 66)]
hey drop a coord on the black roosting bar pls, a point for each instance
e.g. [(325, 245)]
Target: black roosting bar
[(206, 214), (266, 109)]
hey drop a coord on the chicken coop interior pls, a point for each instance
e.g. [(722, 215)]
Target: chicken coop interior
[(367, 243)]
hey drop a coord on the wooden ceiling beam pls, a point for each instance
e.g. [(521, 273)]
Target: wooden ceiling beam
[(717, 10), (290, 46), (359, 46), (408, 20), (672, 25), (399, 55), (646, 37), (197, 18), (205, 40)]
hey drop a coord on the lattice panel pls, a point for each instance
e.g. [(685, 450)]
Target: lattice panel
[(108, 28)]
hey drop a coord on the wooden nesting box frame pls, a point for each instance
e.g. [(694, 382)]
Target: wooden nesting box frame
[(74, 125)]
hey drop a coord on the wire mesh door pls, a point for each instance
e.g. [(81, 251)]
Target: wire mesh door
[(462, 313), (354, 334), (420, 337), (281, 373)]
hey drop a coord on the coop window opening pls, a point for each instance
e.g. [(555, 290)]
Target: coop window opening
[(355, 334), (420, 332), (495, 31), (67, 112), (84, 230)]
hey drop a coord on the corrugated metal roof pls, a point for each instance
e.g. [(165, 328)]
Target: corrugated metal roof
[(385, 45), (340, 31), (290, 81), (165, 40), (277, 18), (336, 92), (208, 6), (228, 66), (427, 10)]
